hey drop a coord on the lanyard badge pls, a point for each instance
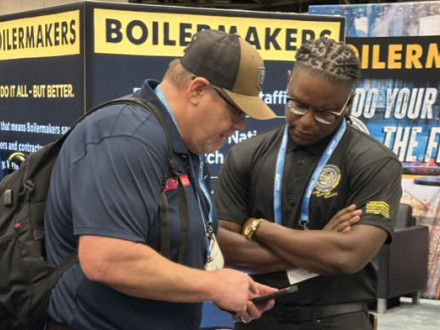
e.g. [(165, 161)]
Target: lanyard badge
[(279, 169)]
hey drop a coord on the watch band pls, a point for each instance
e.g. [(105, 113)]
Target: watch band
[(252, 228)]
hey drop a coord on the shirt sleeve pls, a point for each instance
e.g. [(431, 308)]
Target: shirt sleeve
[(116, 187), (231, 190), (376, 188)]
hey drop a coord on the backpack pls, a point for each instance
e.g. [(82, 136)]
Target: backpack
[(25, 277)]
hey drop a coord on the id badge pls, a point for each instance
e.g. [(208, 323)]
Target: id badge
[(297, 275), (215, 260)]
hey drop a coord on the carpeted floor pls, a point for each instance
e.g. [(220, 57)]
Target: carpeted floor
[(425, 316)]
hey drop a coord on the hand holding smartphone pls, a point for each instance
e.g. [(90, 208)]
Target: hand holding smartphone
[(281, 293)]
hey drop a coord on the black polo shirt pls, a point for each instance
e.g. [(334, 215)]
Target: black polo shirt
[(360, 171)]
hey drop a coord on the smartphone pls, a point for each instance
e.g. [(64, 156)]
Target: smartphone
[(281, 293)]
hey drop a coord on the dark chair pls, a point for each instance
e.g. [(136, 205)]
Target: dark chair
[(403, 264)]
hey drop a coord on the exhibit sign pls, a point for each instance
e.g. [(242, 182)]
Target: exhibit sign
[(130, 44), (41, 78), (58, 62)]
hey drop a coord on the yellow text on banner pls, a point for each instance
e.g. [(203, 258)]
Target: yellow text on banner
[(40, 36), (167, 34)]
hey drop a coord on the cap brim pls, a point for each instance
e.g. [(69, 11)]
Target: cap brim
[(251, 105)]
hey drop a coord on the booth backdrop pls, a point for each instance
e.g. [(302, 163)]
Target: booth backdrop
[(58, 62), (397, 98)]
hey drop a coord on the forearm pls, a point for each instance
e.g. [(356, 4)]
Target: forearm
[(158, 278), (323, 252), (249, 256), (137, 270), (258, 258), (299, 257)]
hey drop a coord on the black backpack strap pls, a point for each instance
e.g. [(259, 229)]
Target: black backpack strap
[(138, 101), (165, 231), (171, 171), (153, 109), (61, 268), (183, 213), (121, 100)]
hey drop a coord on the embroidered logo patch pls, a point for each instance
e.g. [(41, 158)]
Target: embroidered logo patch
[(378, 207), (173, 183), (260, 77), (327, 181)]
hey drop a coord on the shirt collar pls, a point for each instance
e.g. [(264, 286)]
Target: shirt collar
[(315, 149), (147, 93)]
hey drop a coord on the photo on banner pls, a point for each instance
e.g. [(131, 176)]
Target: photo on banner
[(398, 99)]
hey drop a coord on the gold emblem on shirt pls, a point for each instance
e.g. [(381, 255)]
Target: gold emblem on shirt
[(378, 207), (327, 181)]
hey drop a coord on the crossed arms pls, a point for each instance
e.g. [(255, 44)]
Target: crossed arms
[(341, 247)]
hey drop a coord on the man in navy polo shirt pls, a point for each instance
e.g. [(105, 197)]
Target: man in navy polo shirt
[(106, 189)]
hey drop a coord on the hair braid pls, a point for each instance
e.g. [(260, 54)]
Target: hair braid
[(334, 60)]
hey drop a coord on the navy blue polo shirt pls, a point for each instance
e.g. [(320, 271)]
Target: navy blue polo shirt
[(107, 182)]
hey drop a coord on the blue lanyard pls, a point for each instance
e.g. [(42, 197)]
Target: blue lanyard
[(205, 191), (313, 179), (207, 225), (164, 101), (279, 178)]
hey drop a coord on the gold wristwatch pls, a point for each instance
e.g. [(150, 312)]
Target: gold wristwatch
[(251, 228)]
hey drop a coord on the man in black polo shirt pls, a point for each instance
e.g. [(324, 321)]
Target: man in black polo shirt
[(277, 191)]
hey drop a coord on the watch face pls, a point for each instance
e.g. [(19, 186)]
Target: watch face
[(255, 224), (248, 229)]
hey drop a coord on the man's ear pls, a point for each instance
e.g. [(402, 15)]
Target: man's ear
[(197, 87)]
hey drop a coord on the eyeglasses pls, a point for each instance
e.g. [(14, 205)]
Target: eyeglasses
[(297, 107), (238, 114)]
